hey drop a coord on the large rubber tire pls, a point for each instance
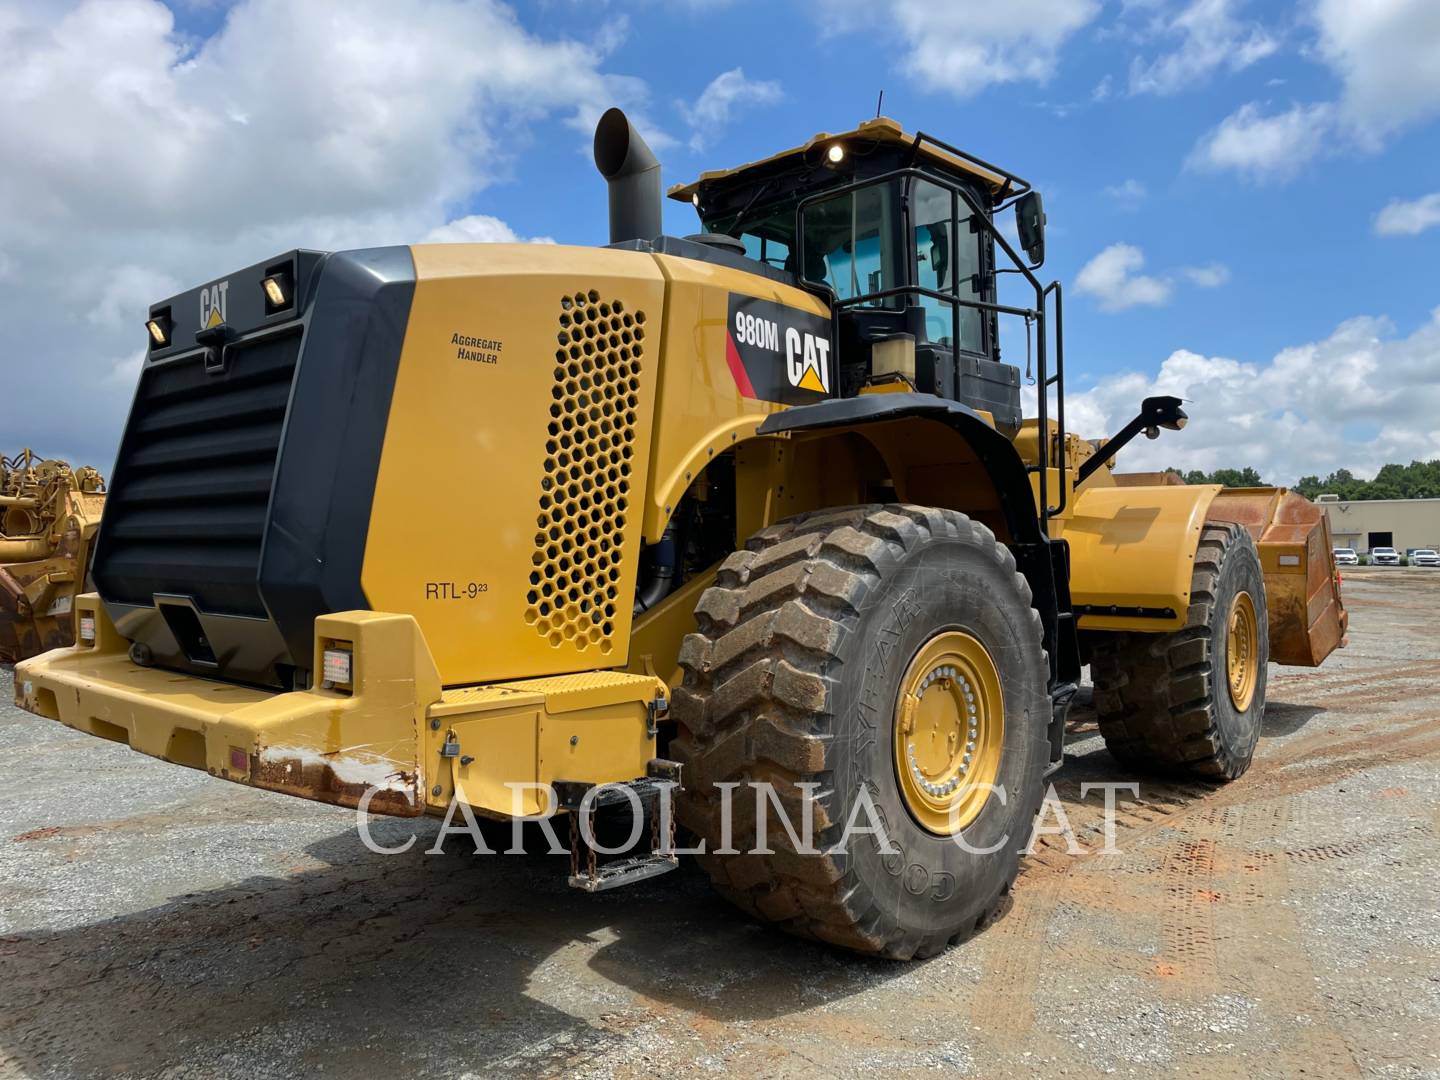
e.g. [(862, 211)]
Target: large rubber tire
[(1163, 700), (793, 678)]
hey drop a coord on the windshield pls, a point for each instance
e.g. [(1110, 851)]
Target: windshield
[(768, 233)]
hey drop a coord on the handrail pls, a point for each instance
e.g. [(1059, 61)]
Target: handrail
[(1039, 313), (1021, 185)]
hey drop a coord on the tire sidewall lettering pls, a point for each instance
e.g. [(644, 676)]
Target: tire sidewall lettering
[(942, 583)]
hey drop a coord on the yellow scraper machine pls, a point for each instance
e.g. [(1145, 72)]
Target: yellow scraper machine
[(755, 510), (49, 514)]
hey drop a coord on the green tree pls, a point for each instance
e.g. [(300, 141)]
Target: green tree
[(1418, 480), (1246, 477)]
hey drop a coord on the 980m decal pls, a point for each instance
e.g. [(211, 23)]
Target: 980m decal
[(777, 353)]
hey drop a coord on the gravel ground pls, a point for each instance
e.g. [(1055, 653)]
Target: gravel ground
[(156, 922)]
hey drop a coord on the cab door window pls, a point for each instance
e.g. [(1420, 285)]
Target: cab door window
[(849, 243), (946, 249)]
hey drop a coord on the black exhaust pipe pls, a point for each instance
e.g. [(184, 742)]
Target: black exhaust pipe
[(632, 172)]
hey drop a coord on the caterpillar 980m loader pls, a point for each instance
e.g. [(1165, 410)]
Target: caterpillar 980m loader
[(501, 524)]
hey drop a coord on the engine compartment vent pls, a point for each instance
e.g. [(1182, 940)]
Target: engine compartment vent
[(585, 487)]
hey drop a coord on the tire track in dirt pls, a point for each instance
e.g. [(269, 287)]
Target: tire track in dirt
[(1004, 1001), (1263, 957), (1326, 685), (1187, 925), (1212, 861)]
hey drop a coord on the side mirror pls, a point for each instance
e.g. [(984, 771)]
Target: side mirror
[(1030, 223), (1158, 412)]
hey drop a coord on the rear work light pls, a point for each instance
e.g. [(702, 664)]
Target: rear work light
[(336, 667), (87, 628), (159, 328), (279, 292)]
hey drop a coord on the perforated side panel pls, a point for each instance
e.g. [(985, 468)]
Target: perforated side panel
[(584, 492)]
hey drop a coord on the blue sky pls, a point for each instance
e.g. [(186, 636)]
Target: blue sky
[(1216, 173)]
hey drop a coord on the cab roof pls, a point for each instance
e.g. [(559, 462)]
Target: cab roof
[(881, 131)]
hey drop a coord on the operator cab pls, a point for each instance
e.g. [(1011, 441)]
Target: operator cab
[(895, 231)]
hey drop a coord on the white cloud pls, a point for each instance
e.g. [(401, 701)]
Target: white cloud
[(480, 229), (1358, 399), (965, 47), (1211, 38), (1113, 277), (1261, 147), (1402, 218), (1206, 277), (147, 161), (1383, 52), (711, 112), (1128, 194)]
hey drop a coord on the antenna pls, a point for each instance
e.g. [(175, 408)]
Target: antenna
[(879, 102)]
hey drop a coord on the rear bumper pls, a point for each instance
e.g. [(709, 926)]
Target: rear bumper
[(326, 745), (396, 742)]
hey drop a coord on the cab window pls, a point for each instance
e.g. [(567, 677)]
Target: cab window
[(849, 244), (946, 250)]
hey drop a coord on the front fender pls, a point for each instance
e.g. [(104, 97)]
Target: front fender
[(1132, 554)]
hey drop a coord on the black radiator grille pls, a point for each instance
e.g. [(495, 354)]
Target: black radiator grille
[(186, 513)]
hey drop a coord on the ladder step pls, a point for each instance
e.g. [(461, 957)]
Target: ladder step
[(624, 872)]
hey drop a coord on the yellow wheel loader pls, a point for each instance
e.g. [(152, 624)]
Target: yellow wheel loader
[(522, 527)]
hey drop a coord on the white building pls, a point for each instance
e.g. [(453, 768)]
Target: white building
[(1363, 524)]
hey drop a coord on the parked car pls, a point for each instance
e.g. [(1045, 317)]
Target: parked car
[(1384, 556), (1425, 557), (1346, 557)]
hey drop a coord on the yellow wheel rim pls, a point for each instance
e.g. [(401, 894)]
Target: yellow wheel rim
[(949, 732), (1242, 651)]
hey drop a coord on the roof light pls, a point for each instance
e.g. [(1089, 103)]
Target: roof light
[(695, 200), (277, 293), (159, 328), (87, 628), (335, 667), (835, 154)]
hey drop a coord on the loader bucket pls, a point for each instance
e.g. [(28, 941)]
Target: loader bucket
[(1302, 586)]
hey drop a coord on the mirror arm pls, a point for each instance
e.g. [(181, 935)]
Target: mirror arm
[(1155, 413)]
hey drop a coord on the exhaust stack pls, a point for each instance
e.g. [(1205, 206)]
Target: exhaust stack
[(633, 174)]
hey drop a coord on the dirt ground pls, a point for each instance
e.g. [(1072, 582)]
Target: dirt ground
[(156, 922)]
